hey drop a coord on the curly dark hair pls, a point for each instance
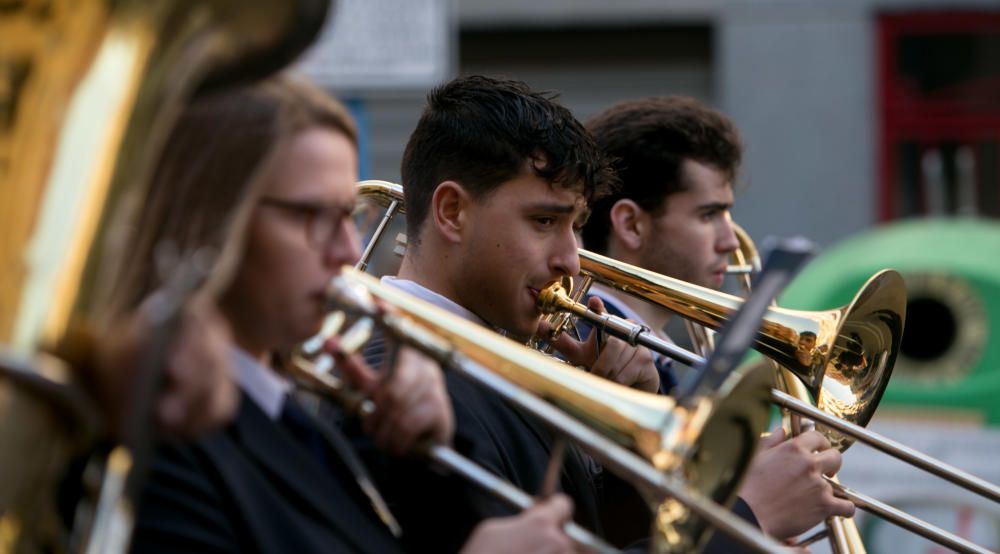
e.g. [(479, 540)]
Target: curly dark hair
[(480, 132), (648, 141)]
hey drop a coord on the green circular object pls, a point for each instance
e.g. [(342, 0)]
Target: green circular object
[(950, 356)]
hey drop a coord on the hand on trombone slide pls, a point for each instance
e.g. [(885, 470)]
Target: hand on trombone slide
[(537, 529), (606, 356), (785, 487), (410, 402)]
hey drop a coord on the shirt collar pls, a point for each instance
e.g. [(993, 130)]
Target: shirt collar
[(426, 294), (610, 299), (627, 312), (265, 387)]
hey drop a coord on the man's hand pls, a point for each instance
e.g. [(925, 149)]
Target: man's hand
[(411, 403), (608, 357), (537, 529), (198, 391), (785, 486)]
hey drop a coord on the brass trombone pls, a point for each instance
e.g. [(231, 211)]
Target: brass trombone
[(646, 438), (841, 532), (863, 358), (831, 370), (310, 368)]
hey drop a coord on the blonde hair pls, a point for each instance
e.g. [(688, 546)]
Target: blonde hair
[(208, 177)]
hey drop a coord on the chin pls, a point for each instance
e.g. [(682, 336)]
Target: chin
[(527, 330)]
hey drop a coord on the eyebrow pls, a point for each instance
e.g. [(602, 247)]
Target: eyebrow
[(551, 208), (317, 206), (714, 206)]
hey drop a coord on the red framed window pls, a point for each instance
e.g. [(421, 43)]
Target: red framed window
[(939, 81)]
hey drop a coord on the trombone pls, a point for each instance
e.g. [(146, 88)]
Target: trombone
[(846, 369), (837, 383), (310, 369), (647, 439)]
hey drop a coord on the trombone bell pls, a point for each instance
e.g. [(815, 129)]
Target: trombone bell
[(843, 356)]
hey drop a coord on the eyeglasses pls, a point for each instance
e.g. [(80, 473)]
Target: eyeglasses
[(321, 222)]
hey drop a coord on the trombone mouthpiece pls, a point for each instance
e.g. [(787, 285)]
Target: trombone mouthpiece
[(554, 295)]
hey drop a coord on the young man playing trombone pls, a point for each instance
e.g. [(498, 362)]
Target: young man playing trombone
[(677, 160), (497, 180)]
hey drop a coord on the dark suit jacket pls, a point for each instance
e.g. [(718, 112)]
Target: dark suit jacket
[(252, 488), (516, 446), (496, 435)]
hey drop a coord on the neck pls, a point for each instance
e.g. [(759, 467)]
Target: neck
[(262, 355), (243, 335), (428, 268)]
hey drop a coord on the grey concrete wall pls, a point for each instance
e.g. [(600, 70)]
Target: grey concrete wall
[(800, 86), (799, 79)]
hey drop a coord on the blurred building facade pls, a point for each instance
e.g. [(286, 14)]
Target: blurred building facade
[(824, 92)]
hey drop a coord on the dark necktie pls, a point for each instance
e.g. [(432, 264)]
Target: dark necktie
[(328, 445)]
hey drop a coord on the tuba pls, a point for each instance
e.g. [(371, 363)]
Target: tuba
[(88, 91)]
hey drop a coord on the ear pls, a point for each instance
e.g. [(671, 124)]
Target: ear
[(449, 210), (629, 222)]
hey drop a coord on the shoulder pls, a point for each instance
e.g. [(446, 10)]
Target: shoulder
[(184, 504)]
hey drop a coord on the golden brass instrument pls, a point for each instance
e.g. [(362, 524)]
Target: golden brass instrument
[(88, 90), (876, 311), (310, 368), (383, 227), (845, 367), (647, 438), (842, 533)]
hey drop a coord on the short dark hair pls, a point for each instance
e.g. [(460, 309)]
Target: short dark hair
[(480, 132), (647, 141)]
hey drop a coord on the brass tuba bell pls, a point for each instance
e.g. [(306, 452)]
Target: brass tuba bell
[(88, 91)]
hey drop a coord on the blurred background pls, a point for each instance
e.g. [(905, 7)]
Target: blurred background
[(872, 127)]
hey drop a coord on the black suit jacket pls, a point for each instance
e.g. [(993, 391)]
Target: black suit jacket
[(252, 488), (496, 435), (516, 446)]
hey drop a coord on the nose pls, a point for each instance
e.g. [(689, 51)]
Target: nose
[(726, 240), (564, 259), (344, 247)]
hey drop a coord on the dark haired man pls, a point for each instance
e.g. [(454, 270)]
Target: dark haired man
[(677, 160), (497, 180)]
